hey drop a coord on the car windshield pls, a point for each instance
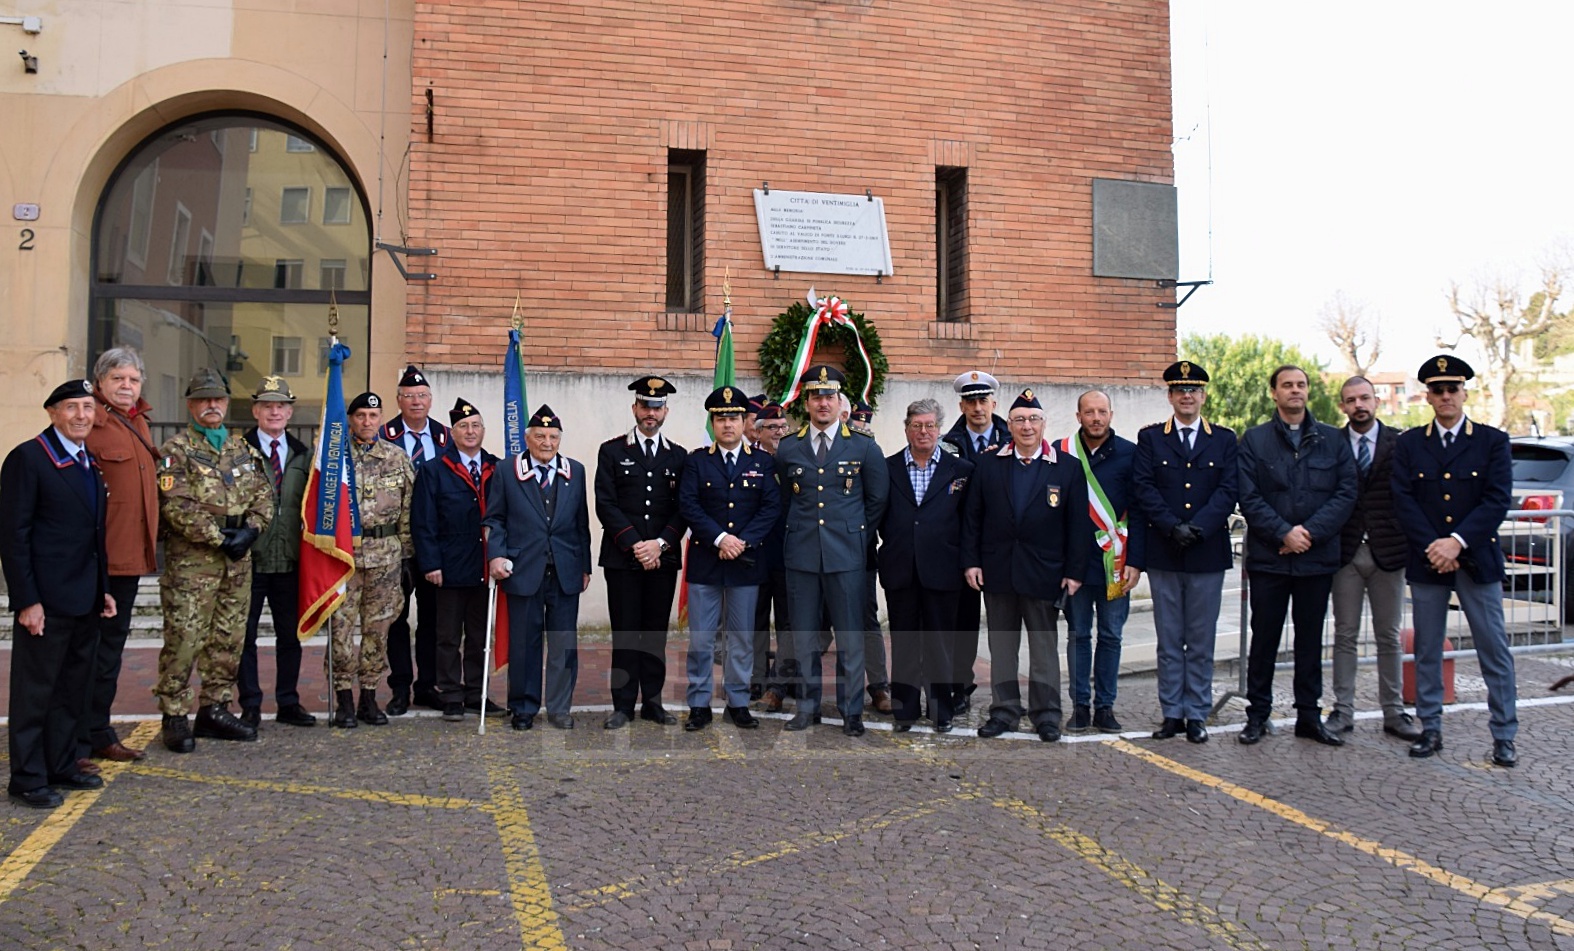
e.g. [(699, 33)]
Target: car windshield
[(1538, 463)]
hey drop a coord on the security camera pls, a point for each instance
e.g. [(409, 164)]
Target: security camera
[(29, 63)]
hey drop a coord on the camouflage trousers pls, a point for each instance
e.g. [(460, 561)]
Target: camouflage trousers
[(371, 603), (205, 603)]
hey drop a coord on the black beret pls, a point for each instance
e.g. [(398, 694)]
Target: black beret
[(69, 390), (367, 400)]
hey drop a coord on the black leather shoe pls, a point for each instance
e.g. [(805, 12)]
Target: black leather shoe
[(699, 719), (344, 710), (942, 726), (489, 709), (617, 720), (802, 720), (521, 722), (216, 722), (1502, 754), (454, 712), (1104, 721), (367, 712), (1196, 732), (1172, 726), (1313, 729), (41, 798), (562, 721), (252, 717), (177, 735), (1431, 742), (77, 780), (1081, 719), (1406, 728), (1253, 733), (741, 718), (656, 713), (1048, 732), (962, 700), (993, 728), (853, 725), (902, 726), (294, 714), (399, 703), (428, 698)]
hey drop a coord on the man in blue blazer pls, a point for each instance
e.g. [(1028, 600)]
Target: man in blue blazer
[(729, 497), (834, 484), (1452, 482), (52, 517), (1024, 544), (920, 561), (1184, 483), (538, 547)]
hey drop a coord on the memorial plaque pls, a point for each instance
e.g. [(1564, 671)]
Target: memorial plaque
[(822, 233), (1134, 230)]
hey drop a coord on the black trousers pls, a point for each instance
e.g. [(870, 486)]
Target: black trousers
[(97, 732), (461, 643), (50, 675), (281, 591), (923, 648), (772, 602), (969, 615), (422, 676), (639, 605), (1271, 597)]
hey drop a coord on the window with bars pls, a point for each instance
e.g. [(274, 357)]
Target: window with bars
[(685, 230)]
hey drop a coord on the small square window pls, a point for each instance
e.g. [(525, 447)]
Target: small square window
[(297, 144), (286, 356), (332, 274), (287, 274), (335, 206), (295, 206)]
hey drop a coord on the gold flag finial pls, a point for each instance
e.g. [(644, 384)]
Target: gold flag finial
[(726, 288), (333, 313), (517, 321)]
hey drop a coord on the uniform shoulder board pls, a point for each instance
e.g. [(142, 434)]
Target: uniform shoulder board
[(804, 431), (1158, 424), (949, 448)]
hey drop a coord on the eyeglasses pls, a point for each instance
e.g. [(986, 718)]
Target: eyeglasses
[(1021, 420), (775, 427), (1438, 389), (924, 427)]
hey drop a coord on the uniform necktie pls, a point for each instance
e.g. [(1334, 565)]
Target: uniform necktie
[(650, 450), (729, 458), (475, 473), (1186, 437), (824, 449), (1363, 457), (542, 474), (87, 477), (418, 454), (277, 465), (981, 445), (1448, 438)]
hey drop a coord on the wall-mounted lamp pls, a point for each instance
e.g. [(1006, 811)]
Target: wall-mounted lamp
[(29, 63)]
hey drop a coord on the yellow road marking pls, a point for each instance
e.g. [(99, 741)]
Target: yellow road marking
[(1499, 898), (1159, 893), (307, 789), (528, 889), (32, 850), (724, 743), (781, 849)]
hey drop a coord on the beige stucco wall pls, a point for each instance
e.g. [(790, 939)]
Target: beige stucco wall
[(112, 72)]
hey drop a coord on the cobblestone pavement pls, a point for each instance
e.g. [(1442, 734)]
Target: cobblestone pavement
[(422, 834)]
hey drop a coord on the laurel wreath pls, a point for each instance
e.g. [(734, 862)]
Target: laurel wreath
[(780, 346)]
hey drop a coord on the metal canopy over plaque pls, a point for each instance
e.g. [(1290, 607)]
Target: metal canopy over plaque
[(823, 233)]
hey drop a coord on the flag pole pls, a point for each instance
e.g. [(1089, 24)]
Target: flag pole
[(333, 340), (486, 665)]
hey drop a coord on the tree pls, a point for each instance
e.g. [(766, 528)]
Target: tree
[(1499, 319), (1238, 370), (1355, 333)]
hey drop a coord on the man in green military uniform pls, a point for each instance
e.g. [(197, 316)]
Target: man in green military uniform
[(384, 482), (213, 503)]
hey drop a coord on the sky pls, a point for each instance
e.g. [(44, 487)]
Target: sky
[(1377, 149)]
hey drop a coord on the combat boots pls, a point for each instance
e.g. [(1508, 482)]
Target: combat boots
[(216, 722), (368, 711), (177, 734), (344, 709)]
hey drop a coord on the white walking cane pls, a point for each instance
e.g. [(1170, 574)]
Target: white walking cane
[(486, 669)]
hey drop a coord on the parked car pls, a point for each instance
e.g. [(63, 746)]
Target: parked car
[(1543, 481)]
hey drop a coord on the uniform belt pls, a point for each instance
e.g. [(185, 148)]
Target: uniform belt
[(234, 521), (382, 531)]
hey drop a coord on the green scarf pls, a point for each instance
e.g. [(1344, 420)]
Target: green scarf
[(215, 437)]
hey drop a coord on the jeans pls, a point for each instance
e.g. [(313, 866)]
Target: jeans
[(1080, 655)]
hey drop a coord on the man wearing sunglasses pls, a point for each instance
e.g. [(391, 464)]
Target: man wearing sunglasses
[(1452, 487)]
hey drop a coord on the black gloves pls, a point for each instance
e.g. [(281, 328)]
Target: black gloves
[(238, 541), (1184, 535)]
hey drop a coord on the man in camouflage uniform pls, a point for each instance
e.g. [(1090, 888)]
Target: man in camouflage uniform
[(384, 483), (213, 503)]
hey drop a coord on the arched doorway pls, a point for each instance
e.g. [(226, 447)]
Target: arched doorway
[(220, 241)]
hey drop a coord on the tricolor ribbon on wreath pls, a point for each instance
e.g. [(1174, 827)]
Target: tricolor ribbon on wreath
[(828, 311), (1108, 531)]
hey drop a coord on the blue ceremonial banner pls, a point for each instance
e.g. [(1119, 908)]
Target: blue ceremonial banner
[(514, 411), (331, 518)]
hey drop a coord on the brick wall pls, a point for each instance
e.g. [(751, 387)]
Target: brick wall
[(546, 173)]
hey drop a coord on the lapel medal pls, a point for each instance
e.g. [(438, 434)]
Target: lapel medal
[(1054, 496)]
